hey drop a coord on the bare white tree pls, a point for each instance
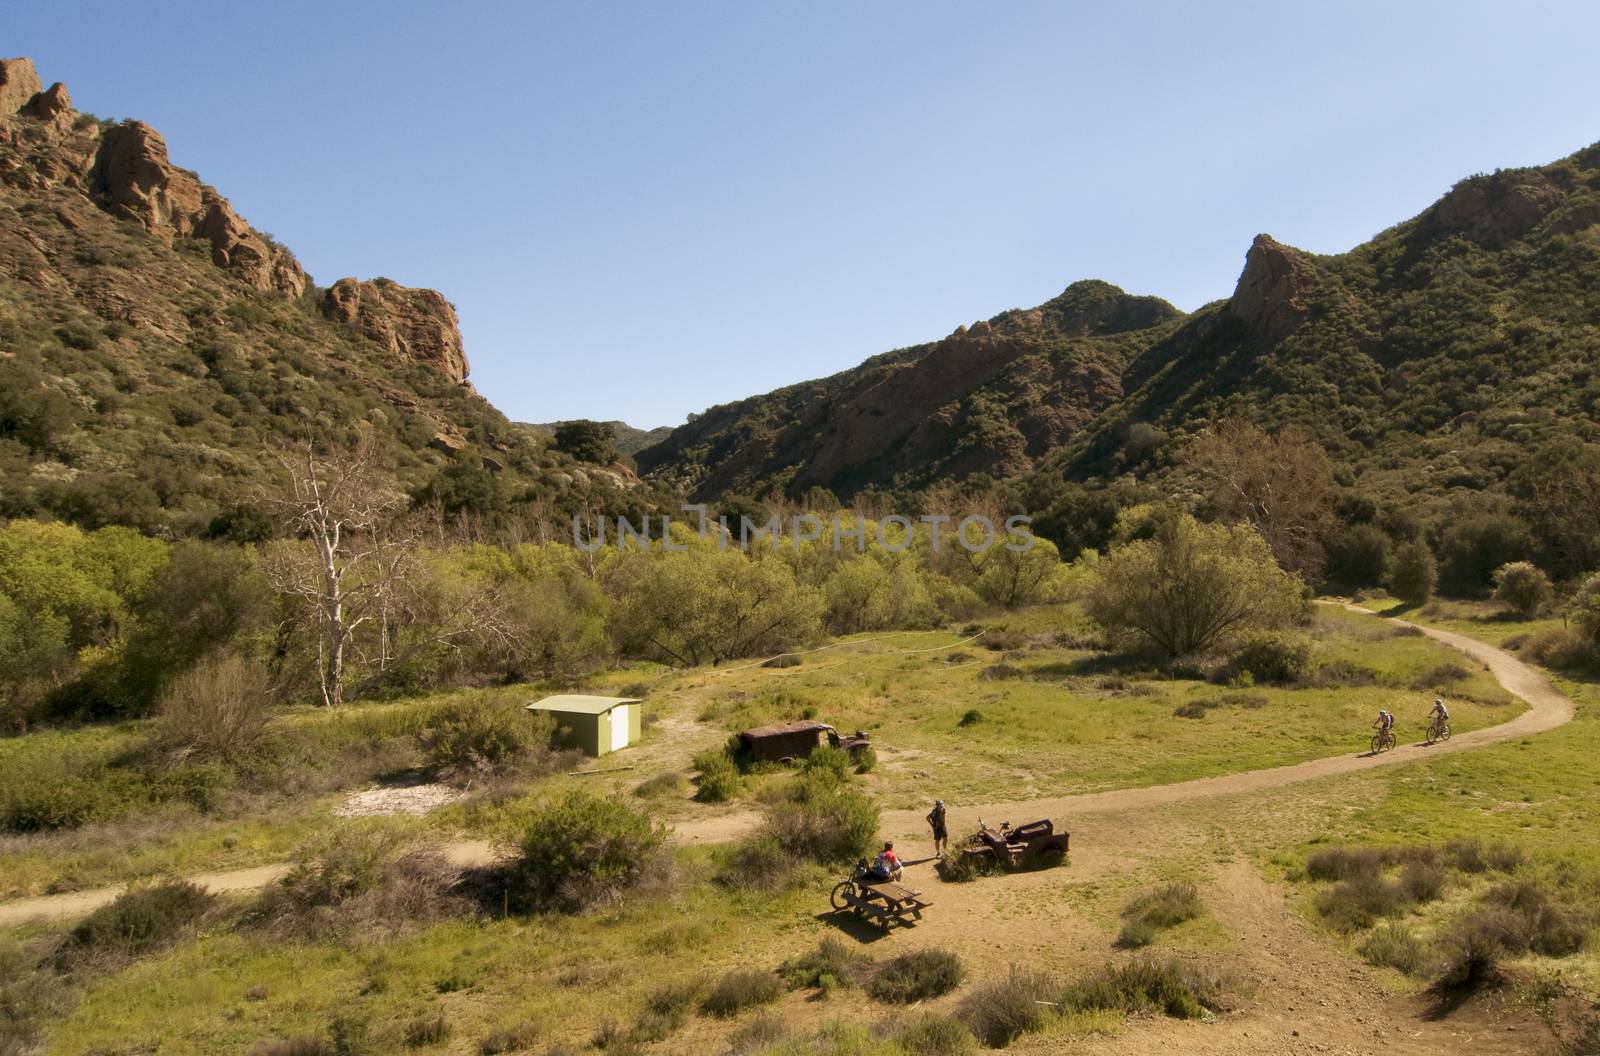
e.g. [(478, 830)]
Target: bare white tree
[(340, 505)]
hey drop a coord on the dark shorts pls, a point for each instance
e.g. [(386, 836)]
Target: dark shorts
[(939, 833)]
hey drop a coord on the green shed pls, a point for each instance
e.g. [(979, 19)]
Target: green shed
[(595, 725)]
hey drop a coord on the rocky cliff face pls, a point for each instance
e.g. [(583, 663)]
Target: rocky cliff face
[(125, 170), (135, 179), (415, 324), (156, 350)]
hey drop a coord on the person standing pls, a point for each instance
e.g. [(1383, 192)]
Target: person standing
[(941, 835)]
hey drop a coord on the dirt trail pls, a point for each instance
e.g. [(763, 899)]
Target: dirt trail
[(1548, 708)]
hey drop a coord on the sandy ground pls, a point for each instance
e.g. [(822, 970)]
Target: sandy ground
[(399, 799)]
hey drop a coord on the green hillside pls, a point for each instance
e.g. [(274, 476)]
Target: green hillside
[(157, 353), (1436, 357)]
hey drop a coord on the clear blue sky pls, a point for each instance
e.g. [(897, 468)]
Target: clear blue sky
[(641, 210)]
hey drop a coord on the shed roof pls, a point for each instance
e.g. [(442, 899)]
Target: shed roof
[(580, 704), (805, 726)]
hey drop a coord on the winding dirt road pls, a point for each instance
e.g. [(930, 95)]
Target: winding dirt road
[(1548, 709)]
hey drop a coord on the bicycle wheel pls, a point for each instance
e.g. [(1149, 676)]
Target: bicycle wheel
[(1377, 743), (1444, 732), (841, 889)]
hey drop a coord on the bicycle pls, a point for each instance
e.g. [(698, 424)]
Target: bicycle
[(1438, 730), (1382, 741)]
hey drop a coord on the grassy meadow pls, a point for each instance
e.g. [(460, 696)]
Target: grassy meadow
[(1054, 715)]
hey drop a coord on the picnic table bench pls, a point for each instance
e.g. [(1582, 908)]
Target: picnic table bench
[(883, 902)]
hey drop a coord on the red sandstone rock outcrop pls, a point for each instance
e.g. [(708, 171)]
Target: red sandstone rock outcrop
[(134, 176), (415, 324), (19, 83), (1271, 295), (126, 170), (1497, 209)]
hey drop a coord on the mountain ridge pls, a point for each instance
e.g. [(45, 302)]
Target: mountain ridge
[(1336, 343)]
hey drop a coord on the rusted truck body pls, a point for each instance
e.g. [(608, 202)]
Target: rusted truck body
[(790, 741)]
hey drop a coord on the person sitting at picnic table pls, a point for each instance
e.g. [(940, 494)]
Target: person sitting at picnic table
[(887, 866), (941, 835)]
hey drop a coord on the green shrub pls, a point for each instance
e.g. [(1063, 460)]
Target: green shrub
[(581, 851), (827, 761), (356, 881), (142, 919), (426, 1029), (216, 710), (760, 863), (350, 1032), (917, 976), (719, 779), (659, 786), (1001, 672), (666, 1010), (42, 794), (865, 758), (483, 738), (1394, 946), (958, 867), (1544, 927), (32, 993), (830, 966), (971, 717), (1137, 934), (758, 1035), (1270, 658), (930, 1034), (1344, 863), (1000, 1012), (1559, 649), (1473, 855), (820, 820), (1165, 907), (513, 1037), (1522, 587), (739, 990), (1351, 905), (1413, 574), (1470, 955), (1146, 986), (1422, 881)]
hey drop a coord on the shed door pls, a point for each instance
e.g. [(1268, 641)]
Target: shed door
[(619, 727)]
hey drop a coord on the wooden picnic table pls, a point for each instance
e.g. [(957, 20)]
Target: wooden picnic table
[(885, 903)]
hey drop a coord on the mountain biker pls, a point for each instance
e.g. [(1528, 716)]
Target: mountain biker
[(1439, 715), (1385, 723), (887, 866)]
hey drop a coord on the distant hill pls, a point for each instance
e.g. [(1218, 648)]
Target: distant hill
[(989, 399), (1437, 356), (630, 440), (156, 349)]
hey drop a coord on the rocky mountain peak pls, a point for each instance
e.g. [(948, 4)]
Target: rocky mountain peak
[(1271, 295)]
